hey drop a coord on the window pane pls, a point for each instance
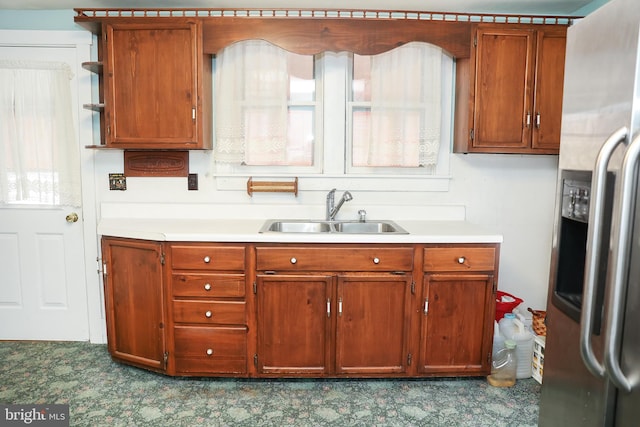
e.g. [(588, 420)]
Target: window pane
[(361, 87), (301, 136), (361, 127), (302, 85), (265, 106), (398, 103)]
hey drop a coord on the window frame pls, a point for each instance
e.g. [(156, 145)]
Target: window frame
[(332, 145)]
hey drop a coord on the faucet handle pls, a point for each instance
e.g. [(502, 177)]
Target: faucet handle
[(363, 215)]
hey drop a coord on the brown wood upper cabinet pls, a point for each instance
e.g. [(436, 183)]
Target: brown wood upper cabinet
[(157, 85), (517, 75)]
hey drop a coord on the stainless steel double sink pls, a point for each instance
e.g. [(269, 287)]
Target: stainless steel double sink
[(322, 226)]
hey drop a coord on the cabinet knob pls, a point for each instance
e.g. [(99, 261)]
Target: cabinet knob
[(209, 351), (208, 314), (207, 286), (376, 260), (462, 260), (207, 259), (293, 260)]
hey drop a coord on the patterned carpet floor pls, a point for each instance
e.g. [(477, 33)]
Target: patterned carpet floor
[(100, 392)]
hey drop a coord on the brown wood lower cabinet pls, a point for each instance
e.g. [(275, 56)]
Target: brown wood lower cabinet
[(453, 332), (458, 310), (204, 350), (133, 292), (372, 323), (301, 310), (294, 314)]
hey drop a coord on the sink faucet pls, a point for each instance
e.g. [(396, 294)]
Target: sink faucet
[(332, 207)]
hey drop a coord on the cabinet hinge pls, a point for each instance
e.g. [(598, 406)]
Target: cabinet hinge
[(162, 258), (495, 286), (100, 268), (255, 360), (471, 134), (413, 287), (255, 288), (165, 359), (409, 358)]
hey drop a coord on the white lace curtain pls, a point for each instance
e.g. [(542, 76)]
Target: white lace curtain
[(39, 161), (406, 99), (252, 87)]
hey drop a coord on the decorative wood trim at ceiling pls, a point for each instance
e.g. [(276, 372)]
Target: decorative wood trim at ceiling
[(321, 13), (311, 31), (156, 163)]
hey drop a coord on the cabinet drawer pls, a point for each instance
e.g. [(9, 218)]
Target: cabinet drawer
[(210, 349), (459, 259), (207, 257), (334, 259), (208, 285), (209, 312)]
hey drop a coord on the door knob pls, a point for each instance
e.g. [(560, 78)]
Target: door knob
[(72, 217)]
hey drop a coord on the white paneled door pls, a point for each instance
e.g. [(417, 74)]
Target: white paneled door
[(42, 285), (48, 289)]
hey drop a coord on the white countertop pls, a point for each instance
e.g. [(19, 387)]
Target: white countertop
[(247, 230)]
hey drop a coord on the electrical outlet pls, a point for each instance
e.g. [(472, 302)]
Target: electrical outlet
[(192, 181), (117, 181)]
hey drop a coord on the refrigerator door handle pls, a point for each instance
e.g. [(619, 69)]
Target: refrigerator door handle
[(594, 243), (620, 262)]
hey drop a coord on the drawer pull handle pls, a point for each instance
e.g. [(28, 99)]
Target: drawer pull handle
[(207, 286), (207, 259), (462, 260), (376, 260), (209, 351), (293, 260), (208, 314)]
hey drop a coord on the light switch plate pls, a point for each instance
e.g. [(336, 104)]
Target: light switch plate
[(192, 181)]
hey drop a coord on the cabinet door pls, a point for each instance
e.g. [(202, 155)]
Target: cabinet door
[(457, 323), (372, 323), (294, 313), (133, 297), (549, 82), (502, 95), (151, 85)]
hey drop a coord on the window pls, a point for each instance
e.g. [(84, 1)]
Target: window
[(400, 101), (266, 109), (38, 155), (333, 114)]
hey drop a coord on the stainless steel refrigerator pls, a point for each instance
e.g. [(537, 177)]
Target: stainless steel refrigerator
[(592, 353)]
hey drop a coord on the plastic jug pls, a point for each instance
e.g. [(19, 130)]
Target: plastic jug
[(523, 337), (506, 324), (498, 340), (504, 366)]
